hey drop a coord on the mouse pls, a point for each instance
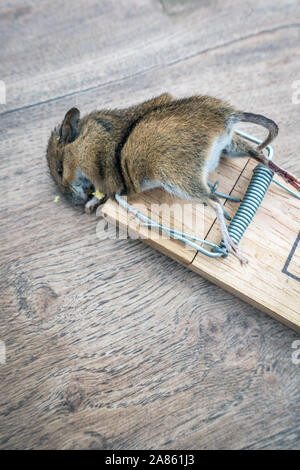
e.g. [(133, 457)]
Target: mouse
[(163, 142)]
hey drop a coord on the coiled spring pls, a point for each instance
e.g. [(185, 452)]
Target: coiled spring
[(253, 197)]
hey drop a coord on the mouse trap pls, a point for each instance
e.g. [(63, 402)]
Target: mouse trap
[(265, 223)]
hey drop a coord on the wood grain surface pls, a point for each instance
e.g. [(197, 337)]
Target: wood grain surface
[(110, 344)]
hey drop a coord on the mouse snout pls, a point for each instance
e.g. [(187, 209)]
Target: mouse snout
[(81, 189), (79, 194), (76, 196)]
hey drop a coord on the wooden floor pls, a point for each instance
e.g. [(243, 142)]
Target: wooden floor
[(110, 344)]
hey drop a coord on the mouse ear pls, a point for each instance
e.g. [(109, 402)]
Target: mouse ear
[(69, 128)]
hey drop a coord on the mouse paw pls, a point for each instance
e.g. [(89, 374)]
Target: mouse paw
[(232, 248), (92, 205)]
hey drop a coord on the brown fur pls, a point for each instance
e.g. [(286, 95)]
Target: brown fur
[(162, 141), (94, 149)]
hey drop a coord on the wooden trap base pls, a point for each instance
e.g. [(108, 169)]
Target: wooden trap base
[(271, 280)]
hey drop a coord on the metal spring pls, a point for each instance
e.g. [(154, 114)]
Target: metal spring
[(253, 197)]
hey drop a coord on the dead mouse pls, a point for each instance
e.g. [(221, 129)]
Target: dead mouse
[(163, 142)]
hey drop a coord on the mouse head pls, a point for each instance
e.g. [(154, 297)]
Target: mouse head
[(63, 160)]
